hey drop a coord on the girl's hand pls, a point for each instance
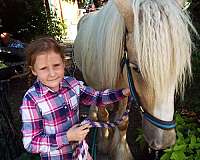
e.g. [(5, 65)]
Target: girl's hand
[(78, 132), (126, 92)]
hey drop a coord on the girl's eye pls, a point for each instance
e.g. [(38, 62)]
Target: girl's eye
[(56, 65), (43, 68)]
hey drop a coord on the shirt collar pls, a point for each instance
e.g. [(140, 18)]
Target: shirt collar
[(42, 90), (63, 84)]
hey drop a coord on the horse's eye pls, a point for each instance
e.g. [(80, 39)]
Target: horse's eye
[(135, 67)]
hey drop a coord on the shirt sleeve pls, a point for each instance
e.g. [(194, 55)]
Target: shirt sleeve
[(89, 96), (34, 138)]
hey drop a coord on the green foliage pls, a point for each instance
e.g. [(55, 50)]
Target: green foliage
[(29, 156), (30, 19), (187, 4), (140, 138), (2, 65), (55, 27), (34, 21), (187, 145)]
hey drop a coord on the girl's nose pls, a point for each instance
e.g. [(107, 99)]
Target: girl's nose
[(52, 72)]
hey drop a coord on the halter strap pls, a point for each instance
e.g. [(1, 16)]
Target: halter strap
[(137, 105)]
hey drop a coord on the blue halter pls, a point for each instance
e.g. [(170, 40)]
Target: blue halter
[(136, 102)]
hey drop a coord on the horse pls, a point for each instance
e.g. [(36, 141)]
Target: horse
[(155, 36)]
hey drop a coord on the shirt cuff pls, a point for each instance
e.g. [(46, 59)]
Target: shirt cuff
[(61, 139), (120, 93)]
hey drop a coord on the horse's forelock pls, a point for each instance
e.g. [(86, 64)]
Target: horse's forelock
[(162, 42)]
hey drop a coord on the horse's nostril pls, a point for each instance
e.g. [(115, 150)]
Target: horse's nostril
[(156, 146)]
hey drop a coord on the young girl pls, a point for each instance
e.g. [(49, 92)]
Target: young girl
[(50, 108)]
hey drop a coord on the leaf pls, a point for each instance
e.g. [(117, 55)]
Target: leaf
[(195, 145), (193, 139), (180, 139), (180, 147), (179, 134), (197, 158), (168, 150), (179, 119), (178, 155), (165, 156), (139, 138), (198, 152)]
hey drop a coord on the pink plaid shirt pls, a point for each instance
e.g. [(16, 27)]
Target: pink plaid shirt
[(47, 115)]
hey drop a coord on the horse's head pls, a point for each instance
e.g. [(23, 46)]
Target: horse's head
[(158, 43)]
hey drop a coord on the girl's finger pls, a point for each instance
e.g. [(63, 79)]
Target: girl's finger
[(85, 126), (75, 126)]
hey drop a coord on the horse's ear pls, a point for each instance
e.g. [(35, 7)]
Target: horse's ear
[(126, 11)]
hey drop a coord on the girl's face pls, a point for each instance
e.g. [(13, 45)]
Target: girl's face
[(49, 69)]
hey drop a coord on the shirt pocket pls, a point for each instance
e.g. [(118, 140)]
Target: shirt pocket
[(73, 115), (74, 102)]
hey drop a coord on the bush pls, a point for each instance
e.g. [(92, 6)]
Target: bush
[(29, 19), (188, 141), (2, 65)]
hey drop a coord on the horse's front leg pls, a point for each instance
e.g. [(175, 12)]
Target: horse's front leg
[(119, 146), (113, 141), (104, 136)]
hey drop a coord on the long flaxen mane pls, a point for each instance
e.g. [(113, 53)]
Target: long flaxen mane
[(161, 42)]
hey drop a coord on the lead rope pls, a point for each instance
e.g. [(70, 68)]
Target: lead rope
[(106, 124), (81, 148)]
